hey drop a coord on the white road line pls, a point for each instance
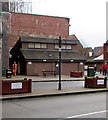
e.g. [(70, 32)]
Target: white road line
[(76, 116)]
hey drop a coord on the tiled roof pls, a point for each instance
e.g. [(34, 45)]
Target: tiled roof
[(48, 40), (73, 37), (98, 51), (30, 54)]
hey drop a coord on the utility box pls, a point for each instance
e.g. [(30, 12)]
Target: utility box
[(90, 72), (8, 73)]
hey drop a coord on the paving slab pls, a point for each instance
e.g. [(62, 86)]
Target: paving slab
[(42, 92), (45, 79)]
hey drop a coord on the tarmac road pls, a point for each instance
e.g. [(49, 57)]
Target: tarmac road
[(67, 106), (55, 84)]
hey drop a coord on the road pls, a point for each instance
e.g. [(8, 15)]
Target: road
[(67, 106), (55, 84)]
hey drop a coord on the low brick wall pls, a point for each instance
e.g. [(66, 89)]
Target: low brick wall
[(95, 82), (16, 86), (76, 74)]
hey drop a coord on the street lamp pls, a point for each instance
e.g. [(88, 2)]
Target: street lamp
[(59, 87)]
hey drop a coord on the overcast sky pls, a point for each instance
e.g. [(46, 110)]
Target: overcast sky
[(87, 18)]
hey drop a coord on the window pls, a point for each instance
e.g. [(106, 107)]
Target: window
[(37, 45), (56, 46), (43, 46), (90, 54), (68, 47), (63, 47), (31, 45)]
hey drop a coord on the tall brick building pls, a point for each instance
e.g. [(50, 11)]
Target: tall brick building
[(37, 26)]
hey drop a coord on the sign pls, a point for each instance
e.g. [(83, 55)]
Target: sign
[(9, 72), (16, 85), (100, 82)]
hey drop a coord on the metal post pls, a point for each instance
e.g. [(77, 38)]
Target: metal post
[(59, 63), (1, 35)]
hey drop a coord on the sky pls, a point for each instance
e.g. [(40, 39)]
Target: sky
[(87, 18)]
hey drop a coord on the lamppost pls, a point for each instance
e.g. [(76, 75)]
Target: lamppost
[(59, 87)]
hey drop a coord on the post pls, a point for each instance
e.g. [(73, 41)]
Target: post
[(59, 87), (1, 35)]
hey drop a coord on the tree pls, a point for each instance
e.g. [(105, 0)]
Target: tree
[(20, 6)]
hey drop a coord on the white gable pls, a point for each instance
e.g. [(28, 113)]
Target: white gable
[(99, 57)]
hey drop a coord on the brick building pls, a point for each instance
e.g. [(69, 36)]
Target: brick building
[(105, 49), (34, 55), (34, 39), (16, 25), (37, 26)]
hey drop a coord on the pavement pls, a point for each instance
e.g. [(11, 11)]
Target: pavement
[(44, 92)]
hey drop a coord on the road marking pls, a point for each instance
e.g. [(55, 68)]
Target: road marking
[(81, 115)]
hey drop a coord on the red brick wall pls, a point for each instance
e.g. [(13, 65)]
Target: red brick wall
[(24, 45), (12, 40), (36, 68), (69, 67), (37, 25), (105, 49), (51, 46), (79, 47)]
